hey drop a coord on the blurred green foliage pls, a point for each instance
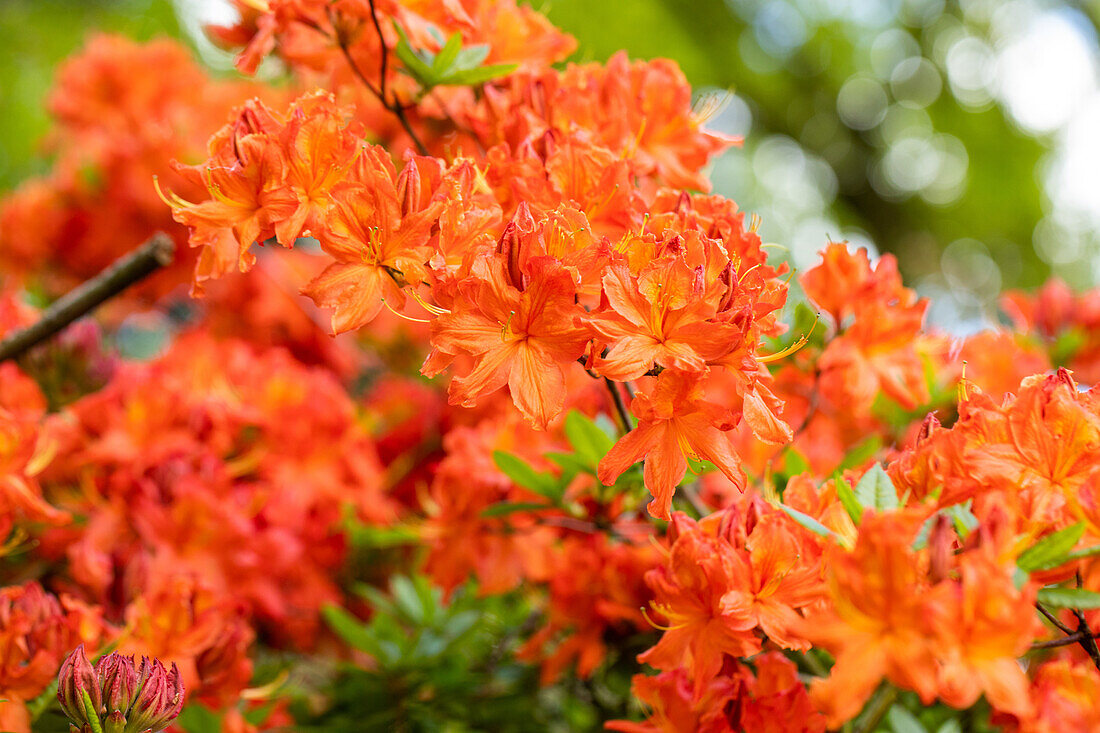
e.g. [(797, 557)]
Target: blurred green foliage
[(35, 35)]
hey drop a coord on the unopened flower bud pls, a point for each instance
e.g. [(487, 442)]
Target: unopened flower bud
[(119, 680), (116, 696), (160, 698), (78, 688)]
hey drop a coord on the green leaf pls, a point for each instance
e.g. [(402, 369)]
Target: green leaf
[(1052, 550), (808, 522), (471, 57), (587, 438), (903, 721), (794, 462), (349, 628), (522, 474), (1069, 598), (407, 599), (417, 63), (509, 507), (861, 453), (570, 463), (197, 718), (1083, 552), (876, 491), (964, 519), (848, 500), (445, 59), (950, 726), (480, 75)]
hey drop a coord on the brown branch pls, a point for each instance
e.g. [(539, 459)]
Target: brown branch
[(620, 406), (121, 274), (1053, 619), (1088, 643), (393, 105), (1073, 638)]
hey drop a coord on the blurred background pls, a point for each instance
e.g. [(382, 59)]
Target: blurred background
[(962, 136)]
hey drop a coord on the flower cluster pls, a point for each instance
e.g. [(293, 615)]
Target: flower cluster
[(654, 473)]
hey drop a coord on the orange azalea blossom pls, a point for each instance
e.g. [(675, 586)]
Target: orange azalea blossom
[(179, 620), (122, 111), (1031, 455), (1064, 693), (379, 235), (877, 322), (880, 621), (591, 606), (661, 317), (674, 421), (705, 620), (521, 330), (26, 449), (765, 580), (461, 543), (940, 624), (772, 700), (37, 632)]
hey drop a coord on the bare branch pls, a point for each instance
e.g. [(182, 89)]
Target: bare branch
[(121, 274)]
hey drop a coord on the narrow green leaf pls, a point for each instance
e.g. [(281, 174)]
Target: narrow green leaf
[(510, 507), (1052, 550), (807, 521), (480, 75), (445, 59), (521, 472), (848, 500), (964, 519), (950, 726), (471, 57), (794, 462), (876, 491), (1084, 552), (407, 599), (903, 721), (349, 628), (587, 438), (1069, 598)]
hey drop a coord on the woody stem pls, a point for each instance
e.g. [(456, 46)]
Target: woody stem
[(620, 406), (393, 105), (1088, 643), (157, 252)]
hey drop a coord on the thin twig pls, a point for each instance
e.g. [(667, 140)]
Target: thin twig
[(393, 105), (121, 274), (620, 406), (1089, 642), (1053, 619), (1073, 638)]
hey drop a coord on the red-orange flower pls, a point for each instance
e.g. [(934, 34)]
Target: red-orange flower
[(674, 421)]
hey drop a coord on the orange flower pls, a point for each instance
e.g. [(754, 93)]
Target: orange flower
[(705, 620), (673, 422), (380, 239), (661, 317), (880, 623), (521, 330)]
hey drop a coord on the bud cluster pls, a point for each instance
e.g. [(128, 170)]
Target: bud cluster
[(117, 695)]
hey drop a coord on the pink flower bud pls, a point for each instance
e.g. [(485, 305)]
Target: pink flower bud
[(159, 700), (118, 696), (76, 685), (119, 680)]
